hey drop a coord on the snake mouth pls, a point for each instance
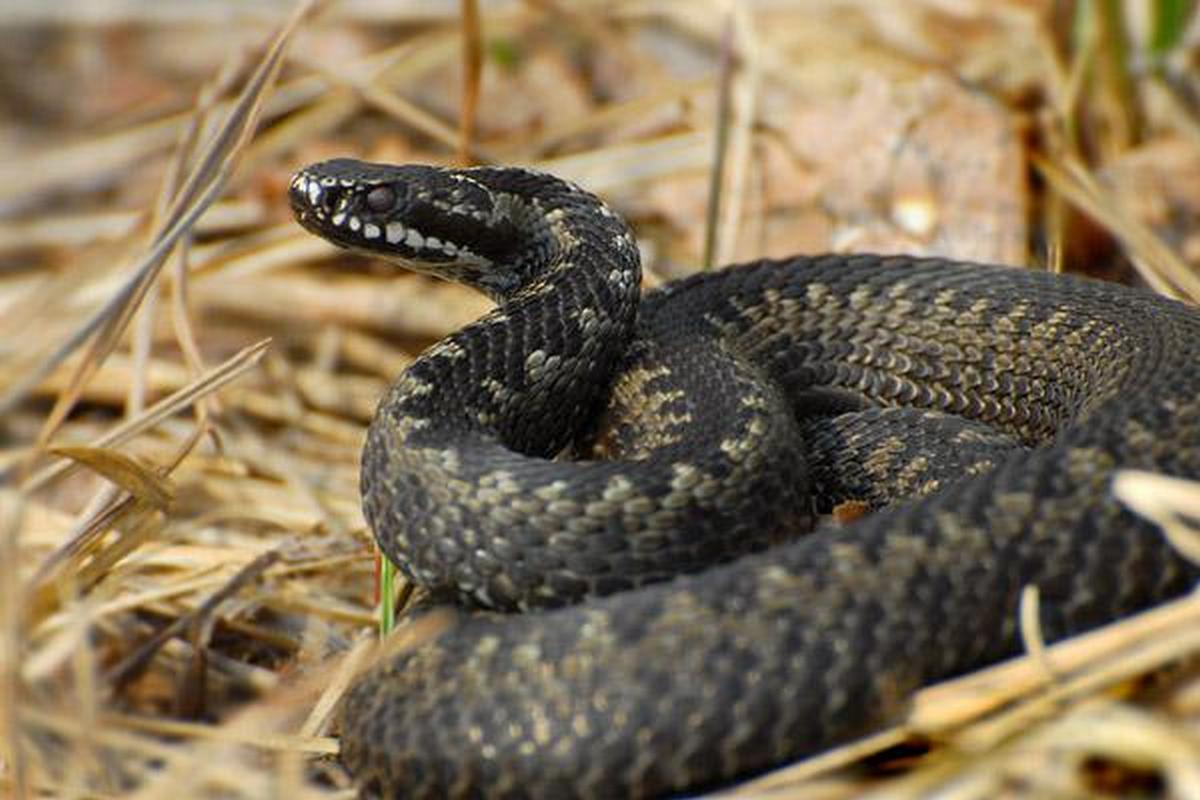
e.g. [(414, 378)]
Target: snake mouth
[(376, 215)]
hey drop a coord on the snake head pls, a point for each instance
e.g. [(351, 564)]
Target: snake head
[(428, 219)]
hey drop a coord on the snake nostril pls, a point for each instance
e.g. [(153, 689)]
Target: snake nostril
[(305, 193), (310, 194)]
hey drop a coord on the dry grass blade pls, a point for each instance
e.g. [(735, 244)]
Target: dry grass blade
[(350, 668), (785, 780), (315, 745), (982, 711), (1160, 266), (721, 124), (12, 645), (199, 190), (126, 472), (147, 492), (133, 664), (144, 334), (609, 168), (1171, 503), (203, 386), (85, 558), (405, 112), (1127, 736), (185, 149), (1152, 636), (985, 710), (106, 158), (735, 227), (1179, 114), (1032, 638), (472, 44), (95, 158)]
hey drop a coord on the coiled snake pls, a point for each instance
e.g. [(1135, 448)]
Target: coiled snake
[(643, 686)]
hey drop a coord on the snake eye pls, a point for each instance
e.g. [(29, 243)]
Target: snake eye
[(381, 198)]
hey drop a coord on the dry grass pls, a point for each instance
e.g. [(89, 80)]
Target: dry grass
[(185, 579)]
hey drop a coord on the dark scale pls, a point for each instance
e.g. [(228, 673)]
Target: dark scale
[(986, 407)]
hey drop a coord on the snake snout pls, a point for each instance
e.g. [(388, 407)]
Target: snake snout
[(310, 196)]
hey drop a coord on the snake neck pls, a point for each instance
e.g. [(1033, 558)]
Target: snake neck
[(562, 267), (531, 373)]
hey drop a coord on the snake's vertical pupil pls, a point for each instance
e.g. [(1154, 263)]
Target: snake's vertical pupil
[(381, 198)]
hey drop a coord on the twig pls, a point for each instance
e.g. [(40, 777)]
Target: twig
[(131, 666), (472, 58)]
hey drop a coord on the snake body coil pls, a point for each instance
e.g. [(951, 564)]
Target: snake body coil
[(701, 388)]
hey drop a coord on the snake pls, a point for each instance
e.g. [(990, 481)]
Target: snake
[(617, 484)]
